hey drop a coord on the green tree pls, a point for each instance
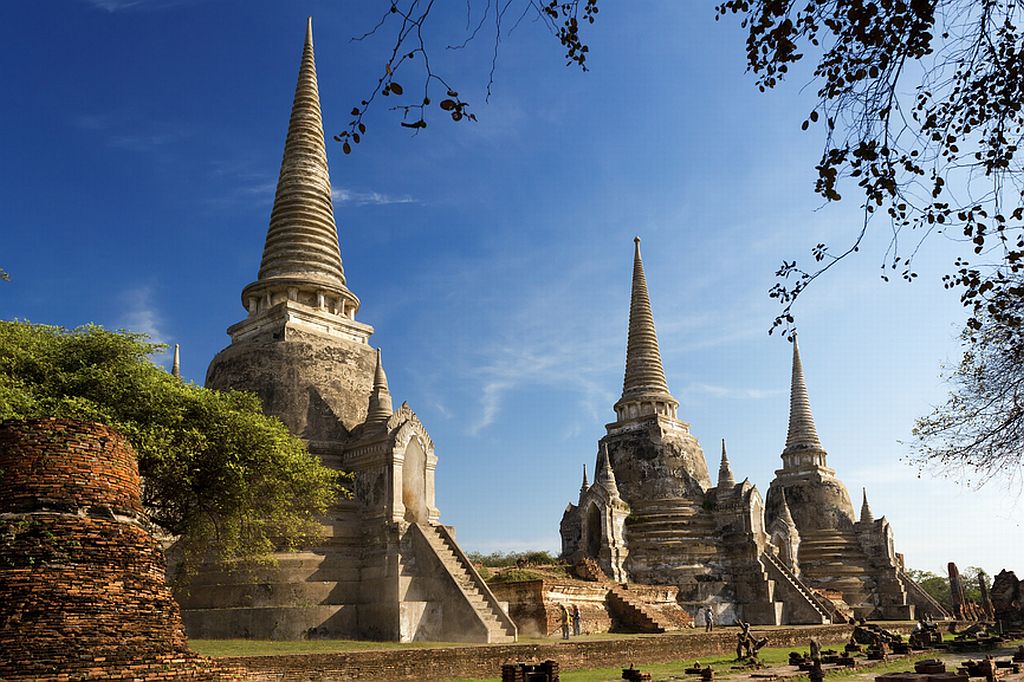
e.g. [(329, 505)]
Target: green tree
[(935, 585), (232, 483)]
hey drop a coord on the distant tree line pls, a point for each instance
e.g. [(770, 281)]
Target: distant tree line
[(938, 585)]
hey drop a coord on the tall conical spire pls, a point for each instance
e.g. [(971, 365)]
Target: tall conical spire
[(802, 435), (586, 485), (301, 257), (865, 511), (604, 475), (644, 389), (725, 477), (380, 408), (176, 364)]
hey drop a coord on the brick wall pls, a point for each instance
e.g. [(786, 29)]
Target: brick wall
[(428, 665), (82, 591)]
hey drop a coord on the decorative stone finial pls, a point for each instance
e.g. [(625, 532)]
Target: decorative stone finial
[(301, 258), (176, 364), (605, 476), (784, 513), (803, 435), (586, 486), (725, 477), (865, 511), (380, 408), (644, 389)]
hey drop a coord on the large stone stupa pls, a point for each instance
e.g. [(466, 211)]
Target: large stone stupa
[(387, 569)]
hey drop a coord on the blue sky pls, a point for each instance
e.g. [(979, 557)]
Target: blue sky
[(143, 141)]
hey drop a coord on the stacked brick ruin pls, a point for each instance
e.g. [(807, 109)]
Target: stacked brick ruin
[(82, 584)]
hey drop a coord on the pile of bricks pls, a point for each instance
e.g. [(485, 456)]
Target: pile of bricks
[(530, 672), (82, 585)]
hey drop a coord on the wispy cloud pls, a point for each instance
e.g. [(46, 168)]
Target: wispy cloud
[(342, 195), (126, 130), (732, 393), (140, 314), (122, 5)]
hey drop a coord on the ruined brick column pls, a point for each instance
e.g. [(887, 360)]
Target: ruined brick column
[(82, 585)]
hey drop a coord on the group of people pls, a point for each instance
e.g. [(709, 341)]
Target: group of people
[(571, 616)]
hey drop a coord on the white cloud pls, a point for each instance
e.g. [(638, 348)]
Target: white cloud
[(121, 5), (342, 195), (733, 393), (139, 314), (128, 130)]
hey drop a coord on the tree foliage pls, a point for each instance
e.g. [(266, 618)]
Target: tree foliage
[(920, 106), (920, 101), (229, 480), (938, 585), (980, 427), (506, 559), (407, 23)]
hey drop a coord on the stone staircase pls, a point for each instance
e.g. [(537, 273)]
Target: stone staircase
[(924, 601), (500, 627), (630, 614), (811, 608)]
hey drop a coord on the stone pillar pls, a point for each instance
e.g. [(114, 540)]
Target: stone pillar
[(956, 592)]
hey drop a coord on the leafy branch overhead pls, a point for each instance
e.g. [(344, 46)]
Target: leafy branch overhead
[(411, 46), (919, 102)]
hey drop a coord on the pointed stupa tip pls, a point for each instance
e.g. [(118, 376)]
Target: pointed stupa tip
[(301, 249), (380, 379), (725, 477), (644, 380), (586, 485), (380, 408), (605, 475), (176, 363), (802, 435), (865, 510), (785, 514)]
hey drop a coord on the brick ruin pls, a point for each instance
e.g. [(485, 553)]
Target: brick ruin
[(82, 585), (654, 516), (387, 569)]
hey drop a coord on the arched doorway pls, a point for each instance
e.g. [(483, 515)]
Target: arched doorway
[(593, 531), (414, 476)]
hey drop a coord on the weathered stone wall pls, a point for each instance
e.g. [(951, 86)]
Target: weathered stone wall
[(82, 588), (428, 665), (318, 386)]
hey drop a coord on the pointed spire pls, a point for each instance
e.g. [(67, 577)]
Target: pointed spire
[(644, 384), (785, 514), (604, 475), (586, 486), (802, 434), (176, 364), (865, 511), (725, 477), (380, 408), (301, 250)]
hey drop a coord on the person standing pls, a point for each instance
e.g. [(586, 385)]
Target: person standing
[(565, 621), (709, 620), (577, 620)]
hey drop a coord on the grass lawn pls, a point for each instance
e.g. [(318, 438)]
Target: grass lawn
[(721, 662)]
